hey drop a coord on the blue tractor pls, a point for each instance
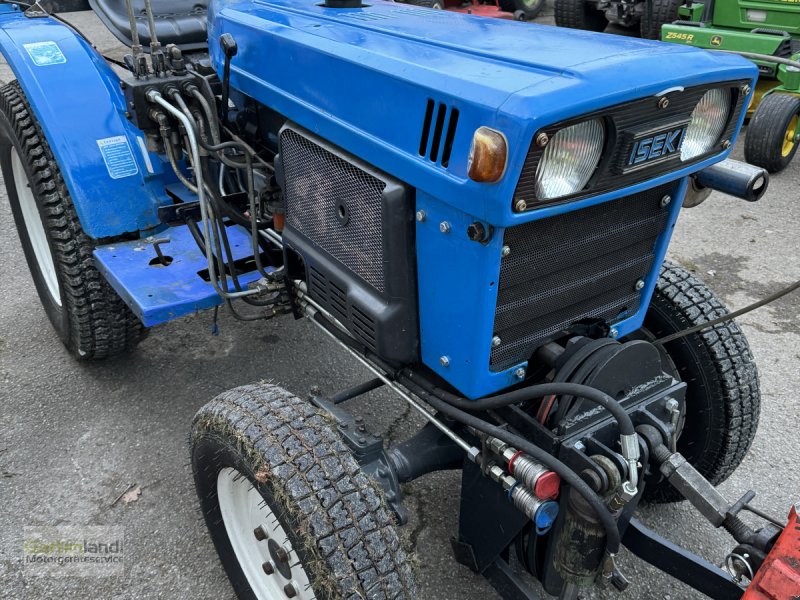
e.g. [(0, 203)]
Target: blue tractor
[(477, 211)]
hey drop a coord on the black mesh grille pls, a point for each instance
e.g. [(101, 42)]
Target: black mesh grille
[(336, 205), (580, 265)]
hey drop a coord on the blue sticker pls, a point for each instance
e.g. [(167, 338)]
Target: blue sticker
[(118, 157), (44, 54)]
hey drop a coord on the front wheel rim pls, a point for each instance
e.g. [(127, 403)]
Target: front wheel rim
[(34, 227), (244, 513)]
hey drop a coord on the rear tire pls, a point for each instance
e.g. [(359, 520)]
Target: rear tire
[(772, 136), (523, 10), (333, 521), (90, 318), (723, 398), (578, 14), (664, 12)]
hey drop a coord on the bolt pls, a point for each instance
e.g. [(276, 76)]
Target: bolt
[(421, 216), (444, 227), (281, 555), (496, 341), (362, 440), (726, 144), (663, 102), (269, 569), (444, 361), (289, 590), (665, 201), (505, 251), (359, 419), (520, 205), (614, 332), (260, 534), (579, 446), (745, 89), (362, 428), (519, 373), (343, 425), (671, 405), (476, 231), (639, 285), (542, 139)]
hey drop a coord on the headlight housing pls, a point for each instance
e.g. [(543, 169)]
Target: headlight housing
[(707, 123), (569, 159)]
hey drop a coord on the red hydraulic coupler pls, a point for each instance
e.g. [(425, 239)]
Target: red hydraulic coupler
[(779, 576)]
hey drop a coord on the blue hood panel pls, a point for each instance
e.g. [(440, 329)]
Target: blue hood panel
[(334, 70)]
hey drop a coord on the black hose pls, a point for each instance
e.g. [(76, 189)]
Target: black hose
[(548, 460), (530, 393)]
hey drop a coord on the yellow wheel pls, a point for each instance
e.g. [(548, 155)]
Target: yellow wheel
[(773, 135), (790, 139)]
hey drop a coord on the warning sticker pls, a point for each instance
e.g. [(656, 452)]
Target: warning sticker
[(118, 156), (44, 54)]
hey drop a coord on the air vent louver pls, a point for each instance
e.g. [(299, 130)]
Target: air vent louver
[(438, 132)]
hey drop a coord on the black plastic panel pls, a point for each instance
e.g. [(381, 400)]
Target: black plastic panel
[(353, 228)]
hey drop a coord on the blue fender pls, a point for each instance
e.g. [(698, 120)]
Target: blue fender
[(77, 98)]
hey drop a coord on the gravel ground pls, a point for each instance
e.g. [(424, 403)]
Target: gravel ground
[(74, 436)]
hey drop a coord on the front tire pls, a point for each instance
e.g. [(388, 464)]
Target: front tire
[(90, 318), (722, 398), (578, 14), (773, 134), (263, 458)]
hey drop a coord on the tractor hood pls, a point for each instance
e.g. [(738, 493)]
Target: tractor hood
[(365, 79)]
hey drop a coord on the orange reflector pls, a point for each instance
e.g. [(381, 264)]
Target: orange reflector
[(487, 156)]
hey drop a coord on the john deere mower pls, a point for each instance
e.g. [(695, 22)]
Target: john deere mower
[(767, 32), (492, 252)]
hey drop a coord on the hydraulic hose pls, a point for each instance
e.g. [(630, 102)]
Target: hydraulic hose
[(538, 454), (157, 98), (253, 221), (545, 458), (629, 440), (532, 392)]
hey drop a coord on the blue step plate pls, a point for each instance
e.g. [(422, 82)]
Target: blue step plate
[(157, 293)]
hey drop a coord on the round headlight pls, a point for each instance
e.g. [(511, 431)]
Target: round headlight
[(708, 120), (569, 159)]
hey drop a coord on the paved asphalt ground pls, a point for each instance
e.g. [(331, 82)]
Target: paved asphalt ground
[(74, 436)]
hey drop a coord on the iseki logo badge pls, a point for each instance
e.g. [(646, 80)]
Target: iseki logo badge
[(656, 146)]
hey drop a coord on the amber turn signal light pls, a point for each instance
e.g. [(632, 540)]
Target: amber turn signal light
[(487, 156)]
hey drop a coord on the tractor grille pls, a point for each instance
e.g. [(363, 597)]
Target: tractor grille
[(336, 205), (579, 265)]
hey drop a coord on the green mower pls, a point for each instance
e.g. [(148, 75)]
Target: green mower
[(767, 32)]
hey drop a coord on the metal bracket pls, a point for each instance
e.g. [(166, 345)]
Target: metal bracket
[(680, 563), (368, 450)]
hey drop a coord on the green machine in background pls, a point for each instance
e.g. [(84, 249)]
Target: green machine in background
[(767, 32)]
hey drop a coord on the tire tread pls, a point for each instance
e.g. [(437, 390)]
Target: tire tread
[(343, 512)]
